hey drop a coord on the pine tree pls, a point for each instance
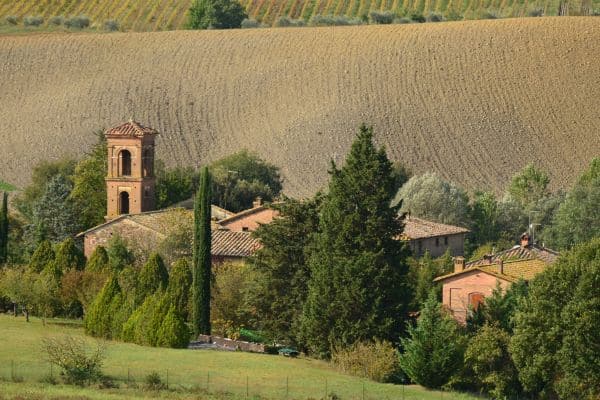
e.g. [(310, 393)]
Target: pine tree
[(173, 331), (99, 319), (434, 348), (202, 260), (4, 229), (119, 256), (42, 256), (153, 276), (180, 283), (358, 288), (98, 261)]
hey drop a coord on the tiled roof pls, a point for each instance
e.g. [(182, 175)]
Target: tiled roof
[(243, 213), (519, 253), (131, 128), (216, 212), (233, 244), (417, 228), (512, 271)]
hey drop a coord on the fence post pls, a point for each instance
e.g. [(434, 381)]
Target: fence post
[(12, 370), (287, 387), (326, 388), (167, 379), (207, 380), (403, 391), (363, 393), (246, 386), (128, 378), (51, 374)]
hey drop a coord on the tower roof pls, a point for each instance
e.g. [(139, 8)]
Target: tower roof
[(131, 128)]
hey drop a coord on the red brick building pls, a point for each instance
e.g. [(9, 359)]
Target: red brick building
[(249, 220), (472, 282)]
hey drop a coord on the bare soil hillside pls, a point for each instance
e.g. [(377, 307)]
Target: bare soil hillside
[(474, 101)]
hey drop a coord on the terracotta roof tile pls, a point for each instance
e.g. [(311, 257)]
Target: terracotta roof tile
[(417, 228), (512, 270), (233, 244), (130, 128), (519, 253)]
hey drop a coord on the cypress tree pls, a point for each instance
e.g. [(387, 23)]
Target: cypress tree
[(153, 276), (202, 261), (98, 261), (358, 288), (42, 256), (99, 318), (4, 229)]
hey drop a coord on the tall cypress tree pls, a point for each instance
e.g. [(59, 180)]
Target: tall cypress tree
[(202, 261), (4, 229), (358, 288)]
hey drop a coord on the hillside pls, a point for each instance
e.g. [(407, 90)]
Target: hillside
[(142, 15), (474, 101)]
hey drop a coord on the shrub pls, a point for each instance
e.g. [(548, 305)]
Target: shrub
[(435, 17), (385, 17), (33, 20), (153, 381), (330, 20), (491, 14), (215, 14), (173, 332), (403, 20), (288, 22), (111, 25), (57, 20), (12, 20), (417, 17), (374, 360), (536, 12), (80, 364), (248, 23), (78, 22)]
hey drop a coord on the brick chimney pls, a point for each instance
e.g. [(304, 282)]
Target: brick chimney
[(524, 240), (257, 202), (488, 258), (459, 264)]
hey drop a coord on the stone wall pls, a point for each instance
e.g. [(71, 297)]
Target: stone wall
[(232, 344)]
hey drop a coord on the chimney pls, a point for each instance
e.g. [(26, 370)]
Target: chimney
[(501, 267), (459, 264), (488, 258), (524, 240), (257, 202)]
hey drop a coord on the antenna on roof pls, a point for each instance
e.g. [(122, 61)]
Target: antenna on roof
[(531, 228)]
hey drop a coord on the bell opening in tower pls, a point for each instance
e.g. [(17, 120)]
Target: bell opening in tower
[(124, 203)]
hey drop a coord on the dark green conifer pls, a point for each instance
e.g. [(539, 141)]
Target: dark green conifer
[(180, 284), (68, 256), (202, 261), (173, 331), (153, 276), (4, 229), (358, 288), (99, 319)]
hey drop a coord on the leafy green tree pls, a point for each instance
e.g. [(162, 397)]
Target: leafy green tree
[(69, 256), (557, 328), (153, 276), (180, 284), (421, 274), (488, 357), (119, 256), (434, 348), (282, 263), (173, 332), (43, 173), (173, 185), (512, 219), (577, 219), (529, 185), (202, 257), (89, 187), (42, 256), (430, 197), (484, 218), (45, 296), (16, 284), (54, 215), (216, 14), (98, 261), (238, 179), (358, 288), (4, 229), (99, 319)]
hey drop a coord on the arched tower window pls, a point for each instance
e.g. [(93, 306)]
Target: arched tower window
[(124, 163), (124, 203), (147, 163)]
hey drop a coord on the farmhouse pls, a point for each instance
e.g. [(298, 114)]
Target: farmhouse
[(470, 283), (130, 187), (433, 237)]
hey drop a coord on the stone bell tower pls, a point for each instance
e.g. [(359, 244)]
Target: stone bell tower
[(130, 181)]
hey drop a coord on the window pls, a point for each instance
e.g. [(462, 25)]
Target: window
[(245, 229), (147, 163), (445, 240), (124, 203), (437, 241), (124, 163), (420, 246), (147, 192)]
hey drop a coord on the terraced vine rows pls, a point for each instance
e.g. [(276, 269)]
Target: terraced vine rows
[(474, 101), (153, 15)]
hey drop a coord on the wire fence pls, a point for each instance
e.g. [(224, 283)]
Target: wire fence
[(227, 384)]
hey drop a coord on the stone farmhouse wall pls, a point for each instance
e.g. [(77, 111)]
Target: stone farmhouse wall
[(437, 245)]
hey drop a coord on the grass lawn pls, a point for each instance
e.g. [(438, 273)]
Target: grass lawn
[(190, 372), (6, 187)]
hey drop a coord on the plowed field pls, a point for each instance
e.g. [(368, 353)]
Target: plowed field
[(474, 101)]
